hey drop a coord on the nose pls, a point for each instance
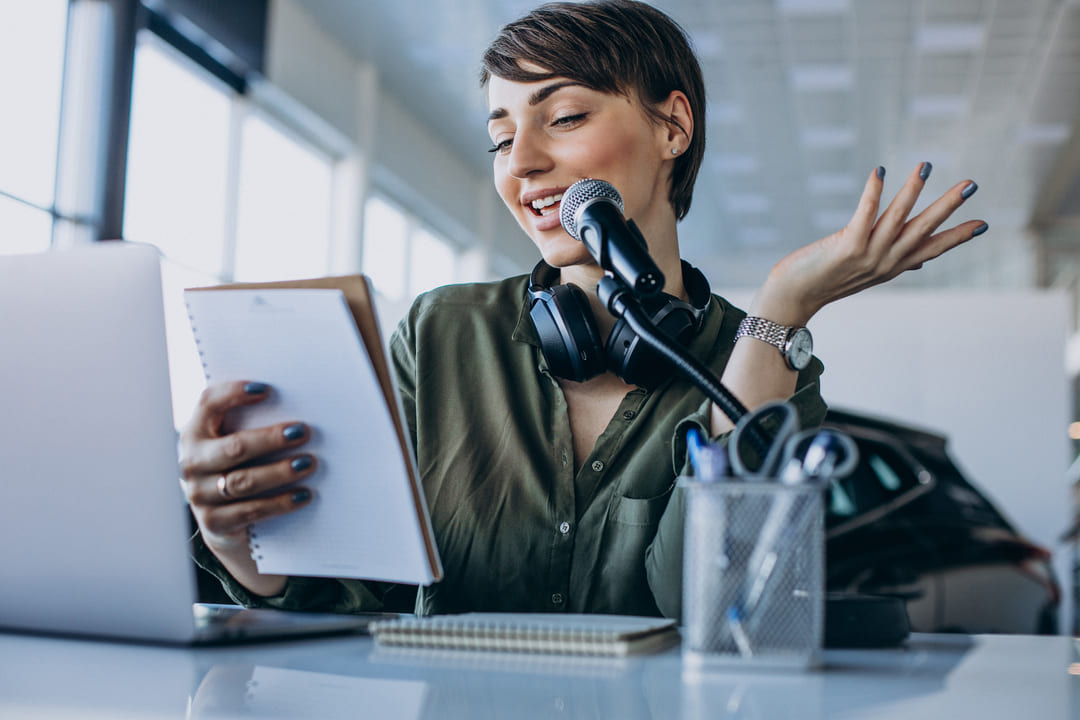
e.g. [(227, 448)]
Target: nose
[(528, 155)]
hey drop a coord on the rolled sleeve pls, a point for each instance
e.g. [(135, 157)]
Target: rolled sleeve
[(300, 593)]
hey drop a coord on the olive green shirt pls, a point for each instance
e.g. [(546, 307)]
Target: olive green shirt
[(516, 527)]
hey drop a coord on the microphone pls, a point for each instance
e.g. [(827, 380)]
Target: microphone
[(592, 212)]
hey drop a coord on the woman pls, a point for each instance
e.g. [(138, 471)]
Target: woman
[(550, 492)]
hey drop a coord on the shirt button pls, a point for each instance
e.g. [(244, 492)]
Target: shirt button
[(629, 414), (564, 528), (556, 598), (598, 466)]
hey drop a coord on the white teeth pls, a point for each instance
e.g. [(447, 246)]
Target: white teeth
[(546, 202)]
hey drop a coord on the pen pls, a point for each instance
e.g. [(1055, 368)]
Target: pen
[(823, 455), (775, 531), (695, 449), (708, 460)]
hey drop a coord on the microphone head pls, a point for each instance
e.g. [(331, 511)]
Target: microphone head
[(580, 194)]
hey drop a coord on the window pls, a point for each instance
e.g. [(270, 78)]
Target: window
[(433, 262), (402, 257), (222, 191), (283, 224), (178, 155), (32, 37), (386, 233)]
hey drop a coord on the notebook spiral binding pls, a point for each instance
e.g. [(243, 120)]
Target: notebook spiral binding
[(253, 546)]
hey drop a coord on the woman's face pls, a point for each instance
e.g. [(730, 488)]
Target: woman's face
[(547, 135)]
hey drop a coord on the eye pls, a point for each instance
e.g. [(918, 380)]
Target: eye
[(501, 148), (569, 119)]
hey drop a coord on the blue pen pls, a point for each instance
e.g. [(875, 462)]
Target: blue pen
[(696, 450), (708, 460)]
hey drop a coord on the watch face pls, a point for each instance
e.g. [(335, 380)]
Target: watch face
[(800, 348)]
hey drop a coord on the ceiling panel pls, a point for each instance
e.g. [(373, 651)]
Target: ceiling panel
[(802, 105)]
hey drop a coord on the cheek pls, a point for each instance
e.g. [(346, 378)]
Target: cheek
[(620, 155), (506, 187)]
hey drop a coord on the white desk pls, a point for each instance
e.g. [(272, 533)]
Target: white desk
[(934, 676)]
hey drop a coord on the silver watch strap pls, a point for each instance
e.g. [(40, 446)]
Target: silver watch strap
[(765, 330)]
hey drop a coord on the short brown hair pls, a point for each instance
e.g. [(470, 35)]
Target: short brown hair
[(612, 46)]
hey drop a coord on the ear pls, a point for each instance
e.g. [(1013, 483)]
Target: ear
[(679, 121)]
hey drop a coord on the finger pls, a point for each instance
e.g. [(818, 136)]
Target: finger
[(246, 482), (889, 225), (944, 241), (862, 222), (913, 237), (214, 456), (218, 399), (236, 517)]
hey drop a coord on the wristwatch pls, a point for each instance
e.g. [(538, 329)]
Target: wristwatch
[(795, 343)]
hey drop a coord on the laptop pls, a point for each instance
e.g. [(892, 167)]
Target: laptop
[(94, 527)]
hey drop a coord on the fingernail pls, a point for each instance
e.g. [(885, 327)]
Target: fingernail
[(881, 172), (924, 172), (301, 495), (979, 230), (301, 463), (294, 432), (969, 190), (256, 388)]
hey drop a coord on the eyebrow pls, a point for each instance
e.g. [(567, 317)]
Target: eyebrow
[(537, 97)]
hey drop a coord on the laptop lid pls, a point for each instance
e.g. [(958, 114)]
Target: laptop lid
[(92, 509), (93, 524)]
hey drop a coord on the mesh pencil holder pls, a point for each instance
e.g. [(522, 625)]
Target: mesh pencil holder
[(753, 574)]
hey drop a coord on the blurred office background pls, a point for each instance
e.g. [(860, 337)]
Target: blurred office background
[(275, 139)]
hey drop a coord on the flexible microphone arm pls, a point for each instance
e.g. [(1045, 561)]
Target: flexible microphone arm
[(621, 302)]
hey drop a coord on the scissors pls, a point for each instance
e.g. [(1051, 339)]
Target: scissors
[(792, 455)]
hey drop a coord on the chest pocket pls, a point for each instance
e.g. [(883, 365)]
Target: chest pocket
[(640, 511)]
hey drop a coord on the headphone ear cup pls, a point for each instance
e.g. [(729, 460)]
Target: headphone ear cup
[(637, 362), (627, 355), (568, 335)]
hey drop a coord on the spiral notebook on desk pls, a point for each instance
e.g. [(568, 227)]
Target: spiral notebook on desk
[(563, 633), (317, 344)]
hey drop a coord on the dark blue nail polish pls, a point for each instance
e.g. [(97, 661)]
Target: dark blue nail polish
[(295, 432), (980, 230), (301, 495), (969, 190), (881, 172), (256, 388), (924, 171), (301, 463)]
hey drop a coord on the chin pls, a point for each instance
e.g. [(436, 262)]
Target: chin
[(561, 250), (560, 255)]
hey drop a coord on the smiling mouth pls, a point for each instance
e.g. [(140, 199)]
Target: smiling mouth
[(545, 206)]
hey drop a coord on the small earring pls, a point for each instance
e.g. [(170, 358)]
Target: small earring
[(674, 151)]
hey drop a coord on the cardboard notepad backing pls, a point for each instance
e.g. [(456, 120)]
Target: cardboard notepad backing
[(317, 344)]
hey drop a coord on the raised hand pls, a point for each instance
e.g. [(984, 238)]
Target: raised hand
[(869, 251)]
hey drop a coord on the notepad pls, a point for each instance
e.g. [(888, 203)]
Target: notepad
[(571, 634), (317, 344)]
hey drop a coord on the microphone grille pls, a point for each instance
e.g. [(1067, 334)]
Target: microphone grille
[(580, 193)]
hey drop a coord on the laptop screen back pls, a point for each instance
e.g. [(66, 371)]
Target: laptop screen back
[(92, 525)]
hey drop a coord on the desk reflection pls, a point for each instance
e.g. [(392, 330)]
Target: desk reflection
[(933, 676), (259, 691)]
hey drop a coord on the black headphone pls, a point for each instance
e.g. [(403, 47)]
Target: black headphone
[(571, 343)]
